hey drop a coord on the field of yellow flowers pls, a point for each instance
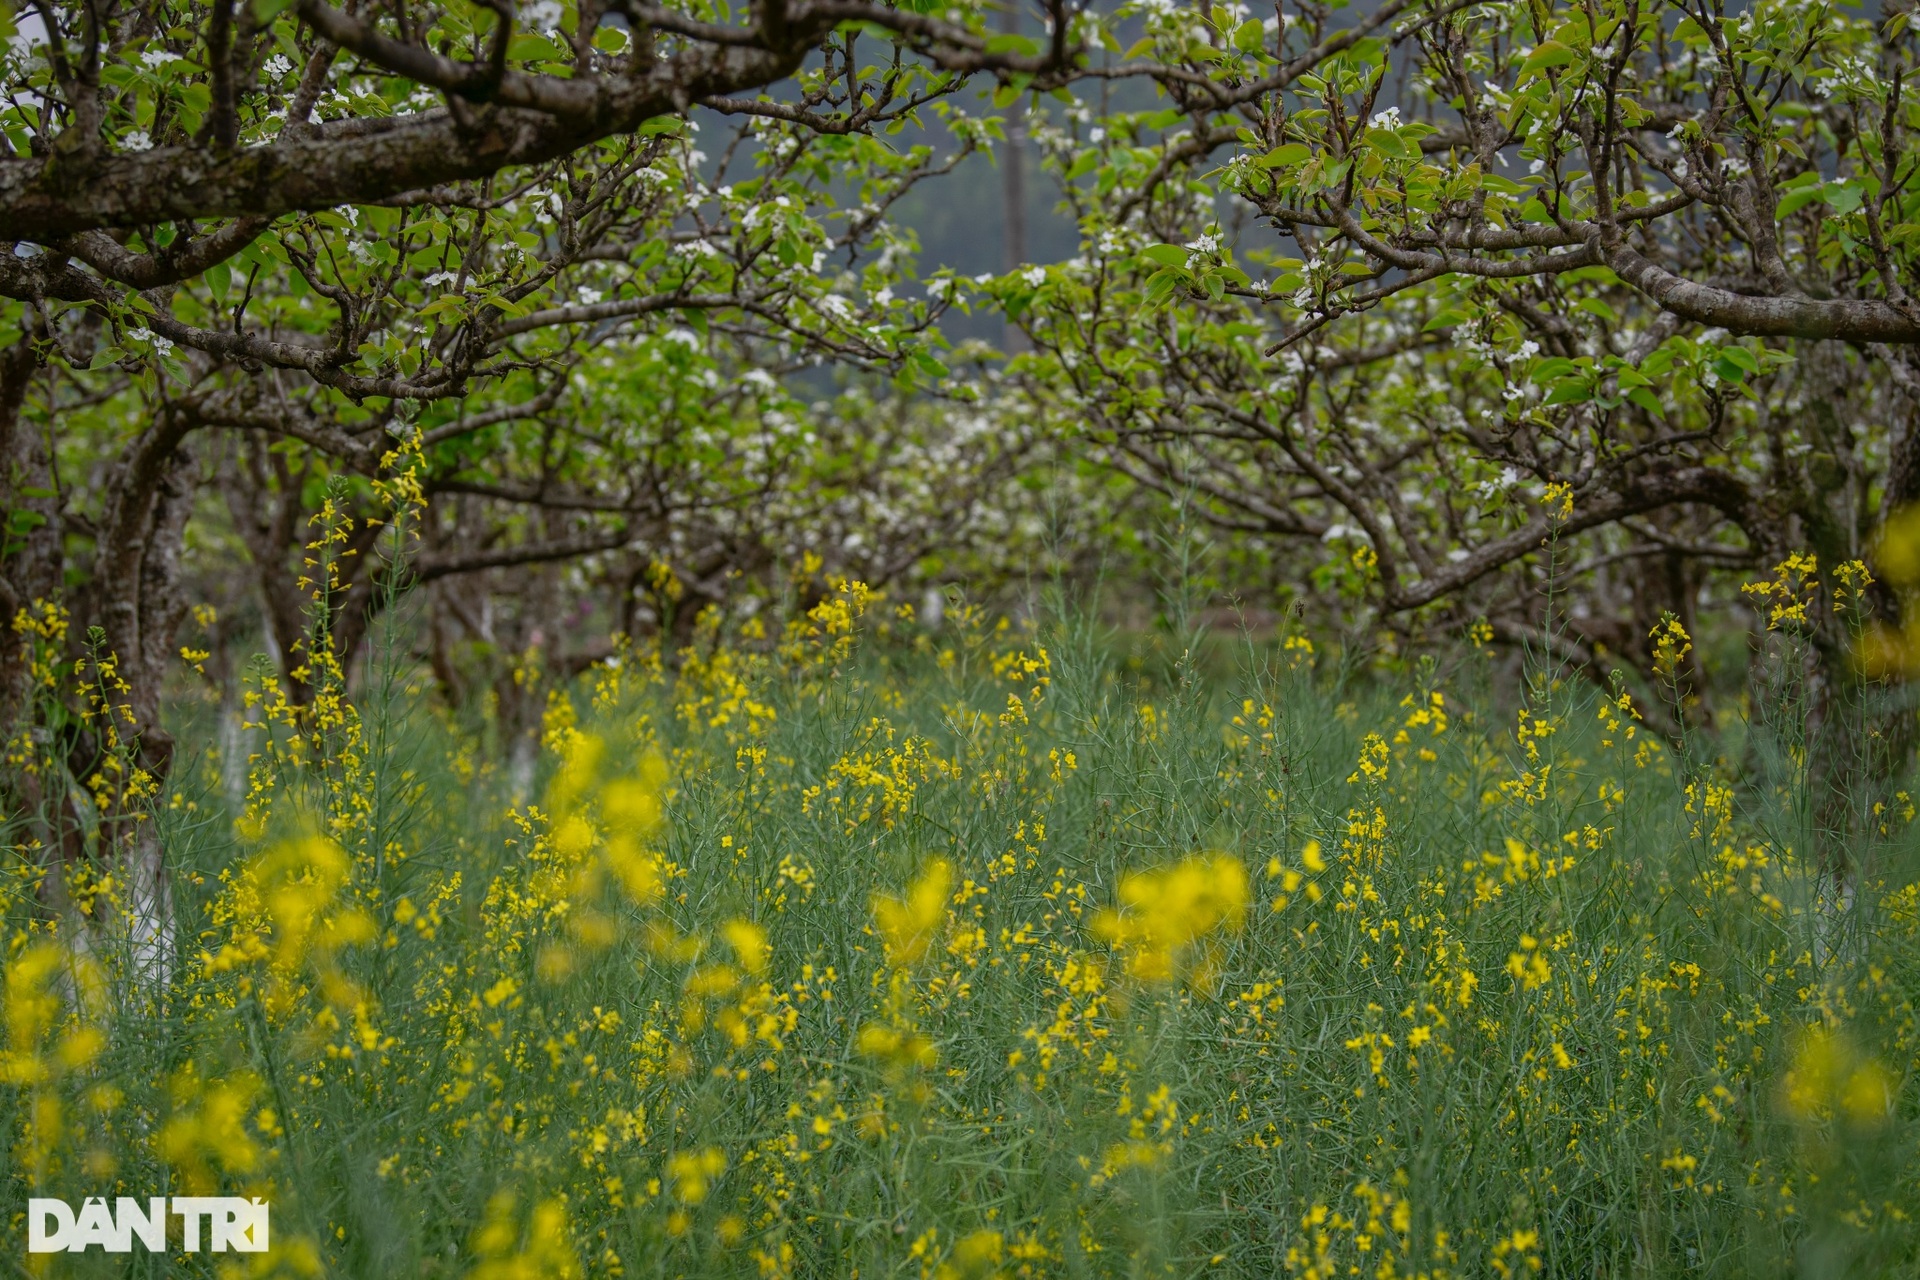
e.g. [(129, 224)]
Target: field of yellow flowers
[(865, 950)]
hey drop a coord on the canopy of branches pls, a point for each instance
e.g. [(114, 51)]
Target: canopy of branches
[(1416, 305)]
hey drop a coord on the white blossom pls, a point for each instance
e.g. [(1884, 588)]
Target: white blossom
[(542, 15), (161, 346)]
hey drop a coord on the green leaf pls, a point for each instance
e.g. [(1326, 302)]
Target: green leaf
[(1390, 144), (1730, 373), (1008, 42), (1167, 255), (1547, 370), (1285, 156), (1844, 197), (1550, 53), (1794, 201), (265, 11), (1250, 36), (1159, 285), (1646, 400), (1573, 391), (1446, 319)]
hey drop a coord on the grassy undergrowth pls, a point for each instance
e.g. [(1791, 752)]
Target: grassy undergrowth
[(975, 955)]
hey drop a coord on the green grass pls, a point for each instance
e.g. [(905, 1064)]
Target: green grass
[(464, 1045)]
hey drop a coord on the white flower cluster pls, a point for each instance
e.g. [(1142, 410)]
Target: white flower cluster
[(542, 15), (161, 346)]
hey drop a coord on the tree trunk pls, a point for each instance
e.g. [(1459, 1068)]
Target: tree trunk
[(111, 748), (265, 503), (34, 793)]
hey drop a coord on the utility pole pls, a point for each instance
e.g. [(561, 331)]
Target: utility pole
[(1013, 183)]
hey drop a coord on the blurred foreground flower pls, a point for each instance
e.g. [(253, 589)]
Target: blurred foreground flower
[(504, 1249), (1832, 1078), (908, 923), (1163, 913), (1886, 648)]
